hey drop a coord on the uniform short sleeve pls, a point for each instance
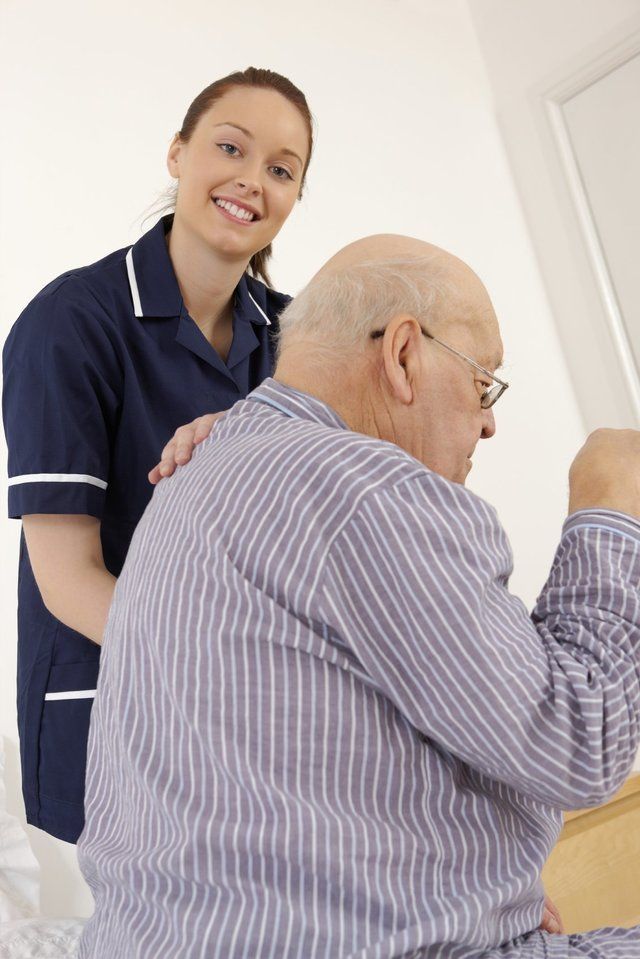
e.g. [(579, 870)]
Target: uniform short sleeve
[(62, 383)]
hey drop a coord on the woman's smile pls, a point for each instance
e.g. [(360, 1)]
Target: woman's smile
[(235, 211)]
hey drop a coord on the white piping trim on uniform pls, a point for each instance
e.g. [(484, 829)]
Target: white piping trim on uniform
[(260, 308), (57, 478), (135, 295), (72, 694)]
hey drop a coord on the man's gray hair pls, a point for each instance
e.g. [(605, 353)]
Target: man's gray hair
[(339, 309)]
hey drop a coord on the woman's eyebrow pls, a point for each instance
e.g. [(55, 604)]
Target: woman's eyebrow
[(227, 123), (285, 150)]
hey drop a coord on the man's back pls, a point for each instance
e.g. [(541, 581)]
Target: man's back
[(266, 776)]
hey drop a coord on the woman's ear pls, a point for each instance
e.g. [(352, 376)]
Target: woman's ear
[(173, 155)]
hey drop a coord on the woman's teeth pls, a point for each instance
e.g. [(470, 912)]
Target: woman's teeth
[(234, 210)]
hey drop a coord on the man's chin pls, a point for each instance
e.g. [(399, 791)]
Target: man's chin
[(464, 472)]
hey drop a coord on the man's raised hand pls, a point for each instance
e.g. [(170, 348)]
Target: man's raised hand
[(606, 472)]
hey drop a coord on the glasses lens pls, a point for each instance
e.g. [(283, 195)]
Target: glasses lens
[(489, 398)]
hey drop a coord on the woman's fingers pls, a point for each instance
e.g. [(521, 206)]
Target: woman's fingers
[(186, 437), (178, 450), (204, 425)]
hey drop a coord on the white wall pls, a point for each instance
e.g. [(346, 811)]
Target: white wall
[(406, 143)]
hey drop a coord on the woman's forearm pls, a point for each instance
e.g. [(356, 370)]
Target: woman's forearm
[(82, 600), (68, 565)]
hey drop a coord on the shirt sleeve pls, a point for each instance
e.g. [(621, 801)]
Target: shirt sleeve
[(416, 584), (62, 383)]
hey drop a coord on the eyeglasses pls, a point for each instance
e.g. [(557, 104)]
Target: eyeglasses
[(490, 397)]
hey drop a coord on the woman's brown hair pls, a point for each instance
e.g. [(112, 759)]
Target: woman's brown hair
[(251, 77)]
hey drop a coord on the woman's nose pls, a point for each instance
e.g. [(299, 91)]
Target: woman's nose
[(249, 184)]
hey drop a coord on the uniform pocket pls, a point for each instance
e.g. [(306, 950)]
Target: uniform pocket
[(64, 730)]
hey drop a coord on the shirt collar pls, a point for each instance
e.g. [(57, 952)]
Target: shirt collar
[(296, 404), (154, 287)]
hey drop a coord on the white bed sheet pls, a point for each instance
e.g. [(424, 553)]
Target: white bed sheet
[(39, 938), (24, 934)]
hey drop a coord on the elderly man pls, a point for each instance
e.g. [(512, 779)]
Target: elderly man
[(324, 727)]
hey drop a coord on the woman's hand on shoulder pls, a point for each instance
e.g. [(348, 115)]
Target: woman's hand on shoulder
[(178, 450)]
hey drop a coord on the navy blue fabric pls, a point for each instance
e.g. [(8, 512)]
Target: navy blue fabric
[(92, 392)]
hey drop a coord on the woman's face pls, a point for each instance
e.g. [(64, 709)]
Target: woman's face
[(247, 151)]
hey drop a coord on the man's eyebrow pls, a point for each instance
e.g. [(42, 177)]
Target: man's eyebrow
[(285, 150), (493, 363)]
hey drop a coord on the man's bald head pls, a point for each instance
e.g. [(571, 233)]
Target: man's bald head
[(375, 277), (379, 247), (360, 336)]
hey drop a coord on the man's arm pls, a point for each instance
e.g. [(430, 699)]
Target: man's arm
[(66, 557), (416, 585)]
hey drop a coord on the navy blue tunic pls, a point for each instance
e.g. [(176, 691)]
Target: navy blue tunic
[(99, 370)]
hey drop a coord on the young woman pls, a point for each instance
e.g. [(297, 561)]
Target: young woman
[(102, 366)]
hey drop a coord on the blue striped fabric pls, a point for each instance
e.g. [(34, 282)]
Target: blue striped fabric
[(325, 728)]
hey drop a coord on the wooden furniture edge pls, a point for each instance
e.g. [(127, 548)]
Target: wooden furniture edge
[(577, 820)]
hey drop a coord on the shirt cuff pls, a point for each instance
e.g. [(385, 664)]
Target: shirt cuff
[(607, 519)]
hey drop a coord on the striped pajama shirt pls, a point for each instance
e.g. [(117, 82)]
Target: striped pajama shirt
[(323, 725)]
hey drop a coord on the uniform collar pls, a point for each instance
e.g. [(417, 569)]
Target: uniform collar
[(154, 287), (296, 404)]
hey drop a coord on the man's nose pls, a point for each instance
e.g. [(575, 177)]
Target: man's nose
[(488, 424)]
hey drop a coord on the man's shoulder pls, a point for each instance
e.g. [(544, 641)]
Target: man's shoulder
[(356, 464), (352, 470), (370, 465), (375, 475)]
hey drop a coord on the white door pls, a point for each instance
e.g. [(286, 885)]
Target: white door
[(566, 81)]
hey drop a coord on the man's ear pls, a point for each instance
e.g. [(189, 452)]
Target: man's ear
[(400, 341), (172, 157)]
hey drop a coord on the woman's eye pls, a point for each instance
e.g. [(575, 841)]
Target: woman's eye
[(231, 151), (282, 174), (231, 147)]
